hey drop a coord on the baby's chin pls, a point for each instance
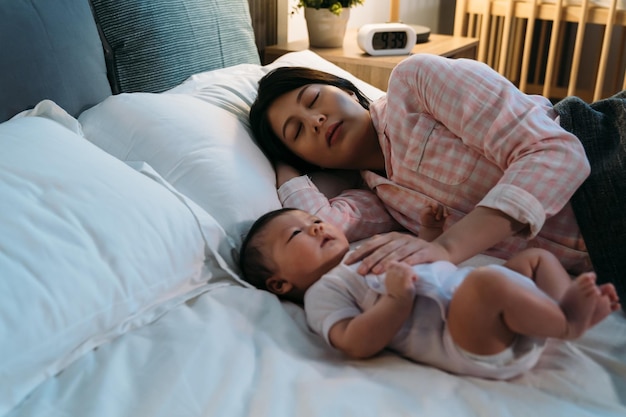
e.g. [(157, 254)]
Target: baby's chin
[(334, 260), (342, 249)]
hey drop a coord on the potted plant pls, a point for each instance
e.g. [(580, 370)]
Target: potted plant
[(326, 20), (333, 6)]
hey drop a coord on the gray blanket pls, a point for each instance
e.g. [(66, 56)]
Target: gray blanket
[(600, 203)]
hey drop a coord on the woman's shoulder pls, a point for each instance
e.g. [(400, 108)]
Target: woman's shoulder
[(406, 75), (417, 64)]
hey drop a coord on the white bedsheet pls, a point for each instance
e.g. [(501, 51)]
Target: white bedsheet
[(240, 352)]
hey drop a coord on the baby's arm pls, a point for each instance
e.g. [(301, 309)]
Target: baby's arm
[(432, 219), (370, 332)]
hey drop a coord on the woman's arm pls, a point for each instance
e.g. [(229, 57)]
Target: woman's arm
[(370, 332), (541, 164), (358, 212), (476, 232)]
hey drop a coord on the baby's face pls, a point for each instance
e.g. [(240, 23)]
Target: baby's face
[(303, 247)]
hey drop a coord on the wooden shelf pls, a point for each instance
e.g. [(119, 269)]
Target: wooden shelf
[(376, 69)]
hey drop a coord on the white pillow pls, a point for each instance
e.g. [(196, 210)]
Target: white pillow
[(197, 137), (235, 88), (89, 249), (203, 150)]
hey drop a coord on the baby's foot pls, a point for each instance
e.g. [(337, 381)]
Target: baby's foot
[(607, 303), (611, 293), (578, 303)]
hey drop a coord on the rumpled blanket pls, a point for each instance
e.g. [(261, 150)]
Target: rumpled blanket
[(600, 203)]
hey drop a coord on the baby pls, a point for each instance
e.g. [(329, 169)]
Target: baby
[(490, 321)]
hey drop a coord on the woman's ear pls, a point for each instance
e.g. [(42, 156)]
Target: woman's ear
[(278, 285)]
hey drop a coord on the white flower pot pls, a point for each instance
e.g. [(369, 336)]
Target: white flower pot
[(326, 30)]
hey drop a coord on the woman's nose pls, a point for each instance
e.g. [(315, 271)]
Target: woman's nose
[(317, 121)]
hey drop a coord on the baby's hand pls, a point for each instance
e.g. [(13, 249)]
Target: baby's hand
[(399, 280), (433, 215)]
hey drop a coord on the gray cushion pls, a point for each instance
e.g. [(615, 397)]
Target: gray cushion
[(169, 40), (50, 50)]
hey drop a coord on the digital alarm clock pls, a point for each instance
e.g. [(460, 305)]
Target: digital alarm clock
[(386, 38)]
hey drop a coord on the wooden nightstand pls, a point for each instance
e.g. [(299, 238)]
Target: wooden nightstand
[(376, 70)]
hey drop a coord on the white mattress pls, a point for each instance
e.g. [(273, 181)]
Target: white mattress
[(240, 352)]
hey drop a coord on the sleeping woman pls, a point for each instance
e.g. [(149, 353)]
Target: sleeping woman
[(505, 165)]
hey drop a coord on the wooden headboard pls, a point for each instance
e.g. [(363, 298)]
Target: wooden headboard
[(264, 14)]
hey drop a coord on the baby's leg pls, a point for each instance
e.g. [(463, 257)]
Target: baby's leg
[(544, 268), (489, 308), (550, 276)]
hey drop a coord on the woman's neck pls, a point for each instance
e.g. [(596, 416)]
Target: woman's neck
[(371, 155)]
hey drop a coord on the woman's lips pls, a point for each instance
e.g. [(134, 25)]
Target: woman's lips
[(333, 133)]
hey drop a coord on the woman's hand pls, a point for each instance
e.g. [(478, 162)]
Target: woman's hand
[(377, 251), (284, 173)]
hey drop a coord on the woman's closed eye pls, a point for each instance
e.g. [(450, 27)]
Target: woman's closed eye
[(314, 99), (299, 129)]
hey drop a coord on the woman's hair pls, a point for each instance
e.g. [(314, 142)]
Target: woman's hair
[(273, 85), (254, 264)]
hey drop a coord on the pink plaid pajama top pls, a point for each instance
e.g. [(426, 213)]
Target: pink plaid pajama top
[(457, 133)]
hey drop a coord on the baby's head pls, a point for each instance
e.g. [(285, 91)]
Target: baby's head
[(287, 250)]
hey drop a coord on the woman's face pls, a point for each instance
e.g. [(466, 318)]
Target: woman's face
[(326, 126)]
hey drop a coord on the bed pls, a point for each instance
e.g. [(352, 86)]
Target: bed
[(128, 178)]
